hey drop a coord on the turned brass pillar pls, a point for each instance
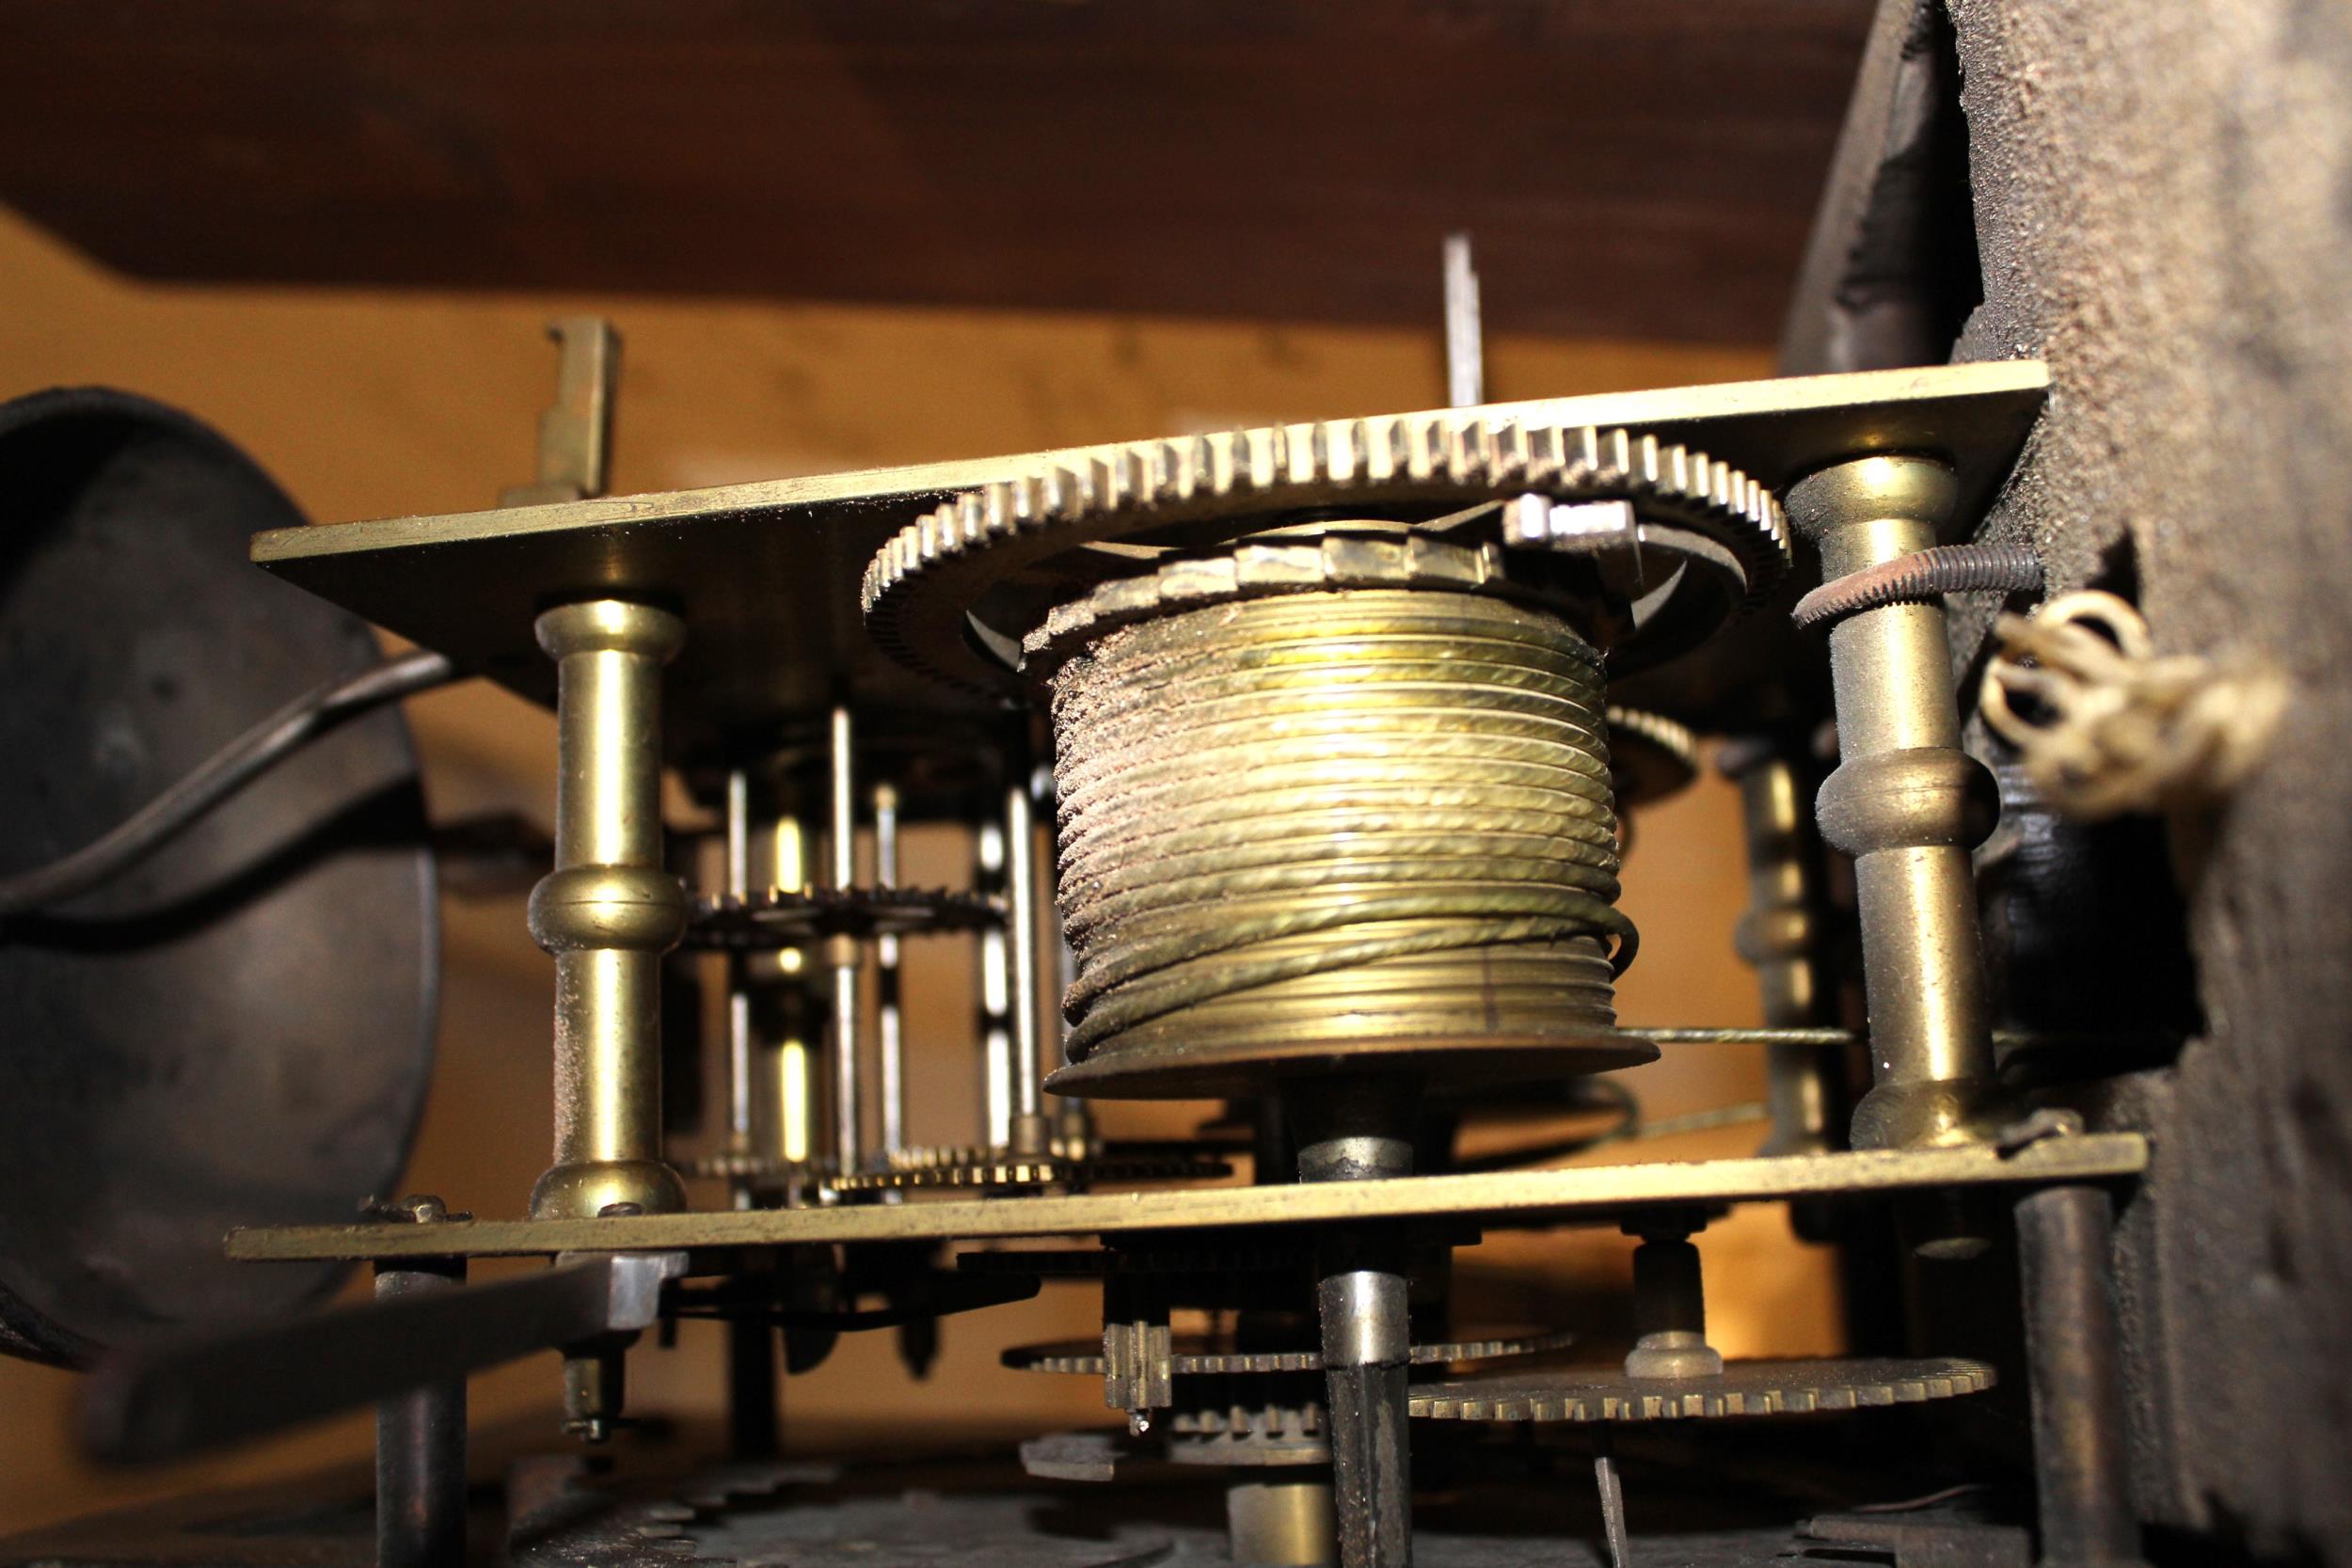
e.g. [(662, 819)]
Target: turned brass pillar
[(1907, 804), (608, 910)]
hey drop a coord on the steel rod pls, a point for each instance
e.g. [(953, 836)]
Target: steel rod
[(1780, 935), (793, 1091), (889, 1024), (1465, 347), (754, 1430), (740, 1046), (1021, 879), (844, 952), (2065, 1239), (995, 989), (1350, 1134), (421, 1445)]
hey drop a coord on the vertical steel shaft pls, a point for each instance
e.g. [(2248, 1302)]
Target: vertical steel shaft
[(1780, 937), (1029, 1133), (1465, 341), (842, 953), (608, 910), (784, 858), (2074, 1360), (1905, 803), (740, 1046), (995, 992), (754, 1430), (889, 1022), (1357, 1133), (420, 1448)]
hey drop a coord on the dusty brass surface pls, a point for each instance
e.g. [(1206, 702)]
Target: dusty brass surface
[(762, 570), (1281, 1524), (1499, 1201), (1316, 830), (1900, 804), (608, 910)]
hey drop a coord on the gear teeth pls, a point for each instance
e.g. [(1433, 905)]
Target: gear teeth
[(1612, 449), (1470, 451), (1648, 465), (1675, 740), (1785, 1388), (1189, 1360), (1187, 465), (1023, 1171), (1253, 571), (1392, 450)]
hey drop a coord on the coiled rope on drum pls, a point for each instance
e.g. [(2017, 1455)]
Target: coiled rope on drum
[(1362, 815)]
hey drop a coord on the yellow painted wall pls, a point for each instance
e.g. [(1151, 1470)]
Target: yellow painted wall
[(367, 405)]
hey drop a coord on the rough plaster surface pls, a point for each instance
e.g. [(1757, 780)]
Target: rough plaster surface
[(2164, 209)]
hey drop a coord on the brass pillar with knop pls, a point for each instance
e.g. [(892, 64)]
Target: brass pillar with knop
[(608, 910), (1907, 805)]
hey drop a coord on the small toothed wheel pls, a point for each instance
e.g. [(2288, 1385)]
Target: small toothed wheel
[(956, 592), (1200, 1356), (1650, 756), (1017, 1173), (783, 917)]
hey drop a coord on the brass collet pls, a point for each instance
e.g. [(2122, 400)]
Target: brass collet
[(1908, 800), (632, 908), (611, 626)]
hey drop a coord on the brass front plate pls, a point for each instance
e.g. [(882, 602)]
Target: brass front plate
[(767, 574), (1501, 1199)]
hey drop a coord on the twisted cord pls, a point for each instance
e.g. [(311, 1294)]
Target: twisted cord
[(2103, 724), (1927, 573)]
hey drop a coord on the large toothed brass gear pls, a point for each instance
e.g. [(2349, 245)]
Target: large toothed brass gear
[(1795, 1387), (956, 592)]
